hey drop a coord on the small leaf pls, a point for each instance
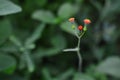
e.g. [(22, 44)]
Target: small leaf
[(15, 40), (79, 76), (67, 10), (44, 16), (6, 62), (5, 30), (35, 35), (110, 66), (29, 62), (7, 7)]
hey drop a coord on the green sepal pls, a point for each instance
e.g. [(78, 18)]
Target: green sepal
[(73, 26), (85, 28)]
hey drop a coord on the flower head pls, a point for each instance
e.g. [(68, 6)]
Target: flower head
[(80, 27), (71, 19), (87, 21)]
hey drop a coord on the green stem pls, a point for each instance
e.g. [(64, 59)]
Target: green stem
[(77, 49), (82, 34), (79, 55)]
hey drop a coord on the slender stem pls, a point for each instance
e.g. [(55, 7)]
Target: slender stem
[(76, 34), (75, 31), (82, 34), (79, 55)]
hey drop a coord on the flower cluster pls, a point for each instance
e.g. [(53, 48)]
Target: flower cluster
[(80, 27), (86, 21)]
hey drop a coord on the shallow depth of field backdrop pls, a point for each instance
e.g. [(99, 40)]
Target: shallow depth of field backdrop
[(33, 34)]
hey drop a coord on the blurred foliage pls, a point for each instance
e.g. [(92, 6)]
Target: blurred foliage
[(34, 33)]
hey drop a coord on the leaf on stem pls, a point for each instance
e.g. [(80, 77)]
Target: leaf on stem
[(110, 66)]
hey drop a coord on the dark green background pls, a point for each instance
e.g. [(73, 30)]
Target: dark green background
[(31, 41)]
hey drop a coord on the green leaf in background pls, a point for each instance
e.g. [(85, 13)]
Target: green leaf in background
[(8, 48), (67, 26), (7, 62), (15, 41), (95, 74), (7, 7), (58, 43), (10, 70), (109, 32), (35, 35), (67, 74), (29, 62), (111, 7), (46, 74), (96, 4), (26, 61), (79, 76), (99, 52), (67, 10), (5, 30), (44, 16), (110, 66)]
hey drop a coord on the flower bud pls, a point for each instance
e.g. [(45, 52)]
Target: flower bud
[(80, 27)]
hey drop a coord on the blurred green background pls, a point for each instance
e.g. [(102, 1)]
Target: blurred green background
[(33, 34)]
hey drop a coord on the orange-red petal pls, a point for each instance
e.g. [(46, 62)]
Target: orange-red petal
[(71, 19), (87, 21)]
